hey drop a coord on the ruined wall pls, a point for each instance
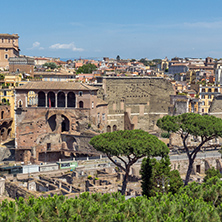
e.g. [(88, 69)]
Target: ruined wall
[(5, 123), (42, 133), (145, 100), (200, 165)]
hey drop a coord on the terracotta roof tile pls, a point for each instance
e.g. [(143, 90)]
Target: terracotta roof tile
[(55, 86)]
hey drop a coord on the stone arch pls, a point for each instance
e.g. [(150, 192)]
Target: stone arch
[(41, 99), (3, 134), (71, 143), (65, 124), (61, 99), (10, 123), (81, 104), (9, 132), (32, 98), (108, 129), (52, 122), (114, 128), (51, 99), (207, 165), (71, 99)]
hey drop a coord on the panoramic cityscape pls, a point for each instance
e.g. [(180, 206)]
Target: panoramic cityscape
[(110, 111)]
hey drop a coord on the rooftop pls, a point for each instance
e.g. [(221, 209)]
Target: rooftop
[(8, 35), (55, 86)]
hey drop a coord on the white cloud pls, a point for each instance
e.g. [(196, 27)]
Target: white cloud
[(66, 46), (208, 25), (36, 45)]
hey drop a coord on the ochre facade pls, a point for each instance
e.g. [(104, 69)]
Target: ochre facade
[(8, 48)]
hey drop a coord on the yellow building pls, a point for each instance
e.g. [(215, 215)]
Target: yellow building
[(206, 95), (7, 93)]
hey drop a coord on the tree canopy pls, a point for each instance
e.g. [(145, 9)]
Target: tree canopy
[(87, 68), (50, 65), (158, 177), (191, 124), (128, 146)]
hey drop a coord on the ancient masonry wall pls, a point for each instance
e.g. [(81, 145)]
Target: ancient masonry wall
[(145, 100)]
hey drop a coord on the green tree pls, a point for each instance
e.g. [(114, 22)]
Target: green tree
[(128, 146), (157, 177), (212, 172), (118, 58), (50, 65), (146, 62), (157, 61), (87, 68), (191, 124)]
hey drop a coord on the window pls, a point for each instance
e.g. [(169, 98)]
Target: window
[(8, 40), (19, 103), (203, 90), (6, 50), (80, 93), (216, 90), (103, 116), (202, 96), (48, 146), (2, 40), (5, 93), (202, 110), (6, 56), (203, 103), (209, 90), (209, 97), (92, 105)]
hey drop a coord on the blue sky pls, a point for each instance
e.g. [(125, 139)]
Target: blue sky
[(131, 29)]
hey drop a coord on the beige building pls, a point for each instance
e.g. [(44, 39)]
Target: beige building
[(206, 95), (8, 48)]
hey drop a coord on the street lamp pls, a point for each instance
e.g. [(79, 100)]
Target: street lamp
[(163, 182)]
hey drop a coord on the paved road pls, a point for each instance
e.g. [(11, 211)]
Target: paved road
[(205, 154)]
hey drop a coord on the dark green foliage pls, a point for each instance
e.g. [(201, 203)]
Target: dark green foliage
[(157, 61), (118, 58), (146, 62), (212, 172), (50, 65), (157, 177), (165, 135), (87, 68), (109, 208), (129, 146), (2, 76), (129, 142), (176, 181), (192, 124)]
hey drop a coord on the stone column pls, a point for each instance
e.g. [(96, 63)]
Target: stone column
[(65, 100), (26, 100), (56, 101), (46, 100)]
